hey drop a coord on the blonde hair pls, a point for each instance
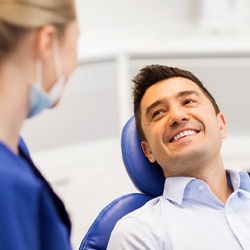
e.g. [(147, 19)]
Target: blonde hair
[(17, 17)]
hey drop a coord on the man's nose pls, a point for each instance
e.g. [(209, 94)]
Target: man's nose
[(177, 115)]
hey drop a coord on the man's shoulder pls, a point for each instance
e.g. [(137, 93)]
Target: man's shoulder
[(138, 227), (147, 211)]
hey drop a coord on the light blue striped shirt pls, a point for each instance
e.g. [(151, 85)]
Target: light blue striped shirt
[(188, 216)]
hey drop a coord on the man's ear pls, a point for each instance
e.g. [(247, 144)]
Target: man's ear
[(45, 41), (147, 151), (222, 124)]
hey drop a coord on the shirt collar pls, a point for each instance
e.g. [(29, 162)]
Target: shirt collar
[(177, 193), (238, 180)]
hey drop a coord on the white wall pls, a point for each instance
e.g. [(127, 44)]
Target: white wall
[(110, 25)]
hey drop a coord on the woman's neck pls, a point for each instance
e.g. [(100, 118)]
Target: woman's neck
[(13, 103)]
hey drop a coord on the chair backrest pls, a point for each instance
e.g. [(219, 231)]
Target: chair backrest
[(147, 177), (99, 233)]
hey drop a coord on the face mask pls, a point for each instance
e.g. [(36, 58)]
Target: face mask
[(39, 99)]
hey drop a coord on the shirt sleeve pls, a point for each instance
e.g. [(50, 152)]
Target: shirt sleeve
[(129, 233), (28, 219)]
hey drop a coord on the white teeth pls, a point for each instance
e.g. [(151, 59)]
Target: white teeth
[(184, 133)]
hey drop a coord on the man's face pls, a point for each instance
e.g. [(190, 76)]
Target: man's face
[(182, 130)]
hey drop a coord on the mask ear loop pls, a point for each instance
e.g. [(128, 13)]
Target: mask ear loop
[(57, 88)]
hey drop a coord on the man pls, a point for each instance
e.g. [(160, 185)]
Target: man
[(203, 206)]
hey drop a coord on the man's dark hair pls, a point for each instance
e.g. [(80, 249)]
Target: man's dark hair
[(152, 74)]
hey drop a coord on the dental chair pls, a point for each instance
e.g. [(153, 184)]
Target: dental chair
[(148, 178)]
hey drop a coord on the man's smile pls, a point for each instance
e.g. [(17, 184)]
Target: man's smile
[(183, 133)]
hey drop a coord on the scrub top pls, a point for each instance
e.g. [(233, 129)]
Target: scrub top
[(32, 216)]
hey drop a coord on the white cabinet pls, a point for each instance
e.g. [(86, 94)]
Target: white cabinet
[(98, 99)]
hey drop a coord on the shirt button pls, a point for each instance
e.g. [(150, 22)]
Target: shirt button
[(201, 187)]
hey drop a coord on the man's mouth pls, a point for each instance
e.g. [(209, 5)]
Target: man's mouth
[(183, 134)]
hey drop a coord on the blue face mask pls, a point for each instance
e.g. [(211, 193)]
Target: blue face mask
[(39, 99)]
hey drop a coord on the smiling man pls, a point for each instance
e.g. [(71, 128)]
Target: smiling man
[(203, 206)]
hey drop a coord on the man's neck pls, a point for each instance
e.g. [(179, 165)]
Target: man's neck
[(219, 185)]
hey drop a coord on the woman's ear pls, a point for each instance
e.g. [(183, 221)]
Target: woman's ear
[(45, 41), (147, 151)]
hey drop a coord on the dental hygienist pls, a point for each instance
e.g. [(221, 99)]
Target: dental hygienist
[(37, 55)]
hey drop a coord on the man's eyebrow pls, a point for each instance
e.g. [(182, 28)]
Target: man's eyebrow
[(153, 105), (188, 92), (161, 101)]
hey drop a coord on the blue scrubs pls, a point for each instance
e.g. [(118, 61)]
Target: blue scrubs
[(31, 215)]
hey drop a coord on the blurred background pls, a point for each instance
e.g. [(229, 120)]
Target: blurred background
[(77, 145)]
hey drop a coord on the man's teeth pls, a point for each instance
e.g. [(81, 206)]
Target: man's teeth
[(184, 133)]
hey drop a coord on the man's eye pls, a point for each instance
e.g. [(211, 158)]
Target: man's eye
[(157, 113), (188, 101)]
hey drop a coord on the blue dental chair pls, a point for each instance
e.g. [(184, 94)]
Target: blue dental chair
[(148, 178)]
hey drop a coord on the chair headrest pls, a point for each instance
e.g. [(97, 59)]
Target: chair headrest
[(147, 177)]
